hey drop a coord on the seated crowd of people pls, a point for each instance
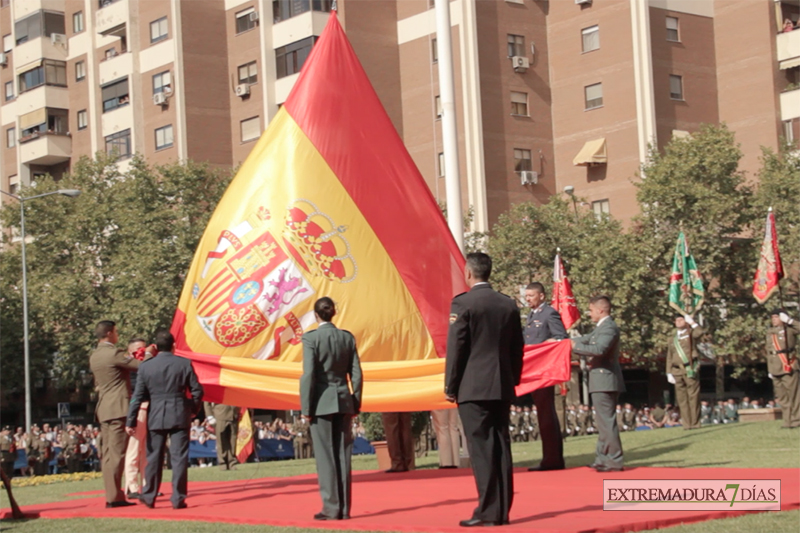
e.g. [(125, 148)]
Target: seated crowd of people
[(579, 419), (53, 450)]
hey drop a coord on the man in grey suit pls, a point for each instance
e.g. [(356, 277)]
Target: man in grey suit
[(164, 381), (330, 357), (601, 346)]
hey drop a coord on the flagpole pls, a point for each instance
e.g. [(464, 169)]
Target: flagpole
[(452, 179)]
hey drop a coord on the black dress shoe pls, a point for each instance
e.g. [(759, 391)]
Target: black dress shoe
[(541, 468), (133, 495), (476, 522), (122, 503), (393, 471), (148, 505), (181, 505), (447, 467), (603, 468), (323, 516)]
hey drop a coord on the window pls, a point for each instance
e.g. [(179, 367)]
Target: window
[(434, 50), (13, 184), (286, 9), (164, 137), (50, 72), (437, 102), (246, 20), (516, 45), (522, 160), (9, 90), (41, 23), (594, 96), (11, 137), (250, 129), (591, 38), (672, 29), (83, 119), (115, 95), (162, 82), (119, 144), (248, 73), (440, 158), (77, 22), (519, 104), (8, 43), (600, 209), (80, 70), (290, 58), (675, 87), (158, 30)]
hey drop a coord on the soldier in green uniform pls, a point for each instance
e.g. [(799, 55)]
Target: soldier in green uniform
[(302, 438), (39, 451), (628, 418), (560, 392), (72, 451), (8, 452), (783, 366), (572, 421), (705, 413), (225, 429), (515, 424), (683, 361), (533, 423), (582, 419)]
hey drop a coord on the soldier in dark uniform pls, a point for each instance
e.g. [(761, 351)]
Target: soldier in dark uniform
[(544, 324), (8, 452), (683, 361), (783, 366), (484, 364), (628, 418)]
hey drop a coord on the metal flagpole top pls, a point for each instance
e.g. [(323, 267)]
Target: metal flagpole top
[(335, 6)]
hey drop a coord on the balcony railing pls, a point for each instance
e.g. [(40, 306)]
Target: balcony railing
[(286, 9)]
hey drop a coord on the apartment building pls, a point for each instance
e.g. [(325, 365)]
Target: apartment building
[(548, 93)]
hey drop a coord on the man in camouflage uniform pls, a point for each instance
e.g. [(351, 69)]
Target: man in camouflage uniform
[(515, 424), (783, 366), (582, 420), (72, 450), (572, 421), (628, 418)]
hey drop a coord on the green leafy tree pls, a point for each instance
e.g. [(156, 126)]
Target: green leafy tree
[(119, 251), (695, 186)]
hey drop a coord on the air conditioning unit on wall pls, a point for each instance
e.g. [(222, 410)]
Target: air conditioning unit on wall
[(242, 90), (254, 16), (520, 63), (583, 2), (160, 99), (529, 177)]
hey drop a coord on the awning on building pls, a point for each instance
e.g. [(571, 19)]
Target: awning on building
[(33, 118), (790, 63), (29, 66), (592, 153)]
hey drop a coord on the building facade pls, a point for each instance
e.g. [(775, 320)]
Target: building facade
[(549, 94)]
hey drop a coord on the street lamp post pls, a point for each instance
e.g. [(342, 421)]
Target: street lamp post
[(65, 192)]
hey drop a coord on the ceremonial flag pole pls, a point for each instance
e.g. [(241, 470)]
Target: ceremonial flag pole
[(564, 302), (686, 291), (770, 268)]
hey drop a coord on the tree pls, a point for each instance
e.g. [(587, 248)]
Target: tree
[(695, 186), (119, 251)]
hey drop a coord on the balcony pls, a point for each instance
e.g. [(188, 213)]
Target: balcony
[(789, 49), (790, 104), (115, 68), (45, 149), (298, 28), (112, 16), (39, 48), (23, 8), (42, 96)]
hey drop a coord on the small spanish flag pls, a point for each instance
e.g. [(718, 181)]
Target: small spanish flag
[(245, 444)]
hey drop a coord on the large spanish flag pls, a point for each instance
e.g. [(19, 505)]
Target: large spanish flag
[(328, 203)]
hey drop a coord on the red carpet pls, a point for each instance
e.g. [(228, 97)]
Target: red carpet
[(427, 500)]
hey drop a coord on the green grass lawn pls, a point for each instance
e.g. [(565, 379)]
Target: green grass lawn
[(753, 445)]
